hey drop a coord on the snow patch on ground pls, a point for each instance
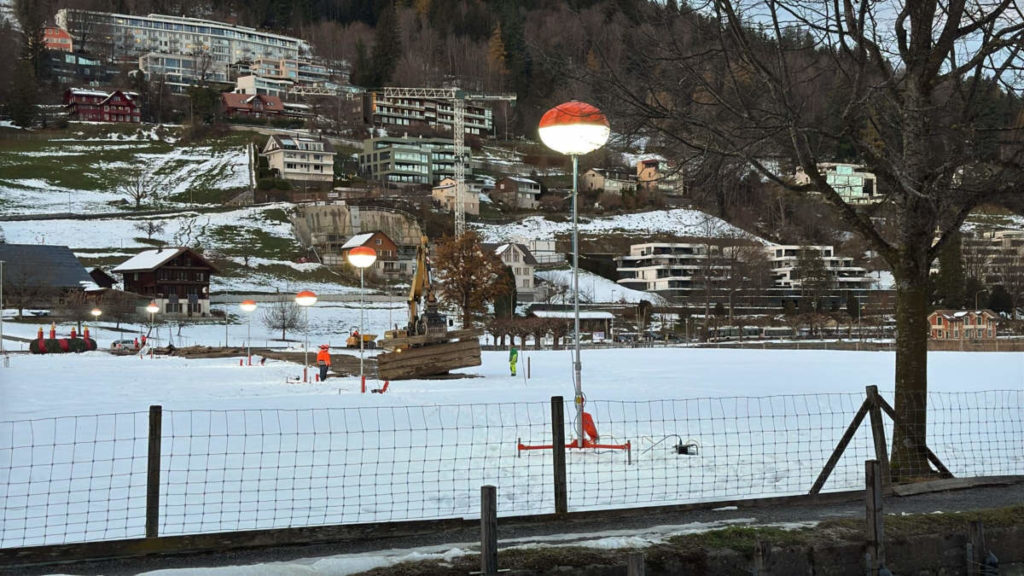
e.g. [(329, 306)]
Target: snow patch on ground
[(680, 221)]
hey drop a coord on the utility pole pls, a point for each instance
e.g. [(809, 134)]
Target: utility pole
[(458, 99)]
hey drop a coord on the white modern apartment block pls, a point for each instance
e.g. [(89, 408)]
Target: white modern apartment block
[(130, 37), (680, 268), (784, 260), (305, 161), (253, 85), (672, 268), (850, 181)]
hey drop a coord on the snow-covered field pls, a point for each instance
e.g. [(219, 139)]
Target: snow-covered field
[(250, 447)]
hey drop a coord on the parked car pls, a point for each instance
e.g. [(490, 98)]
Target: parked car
[(122, 345)]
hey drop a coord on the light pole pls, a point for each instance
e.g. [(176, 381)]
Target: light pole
[(152, 309), (306, 298), (361, 257), (575, 128), (248, 306)]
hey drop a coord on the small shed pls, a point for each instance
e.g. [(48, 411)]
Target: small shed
[(597, 323)]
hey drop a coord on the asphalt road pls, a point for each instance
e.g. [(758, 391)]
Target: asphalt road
[(578, 526)]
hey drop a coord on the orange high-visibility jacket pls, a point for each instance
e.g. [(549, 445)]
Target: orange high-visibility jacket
[(323, 357)]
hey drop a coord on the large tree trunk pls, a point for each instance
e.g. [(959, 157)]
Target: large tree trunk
[(908, 459), (917, 225)]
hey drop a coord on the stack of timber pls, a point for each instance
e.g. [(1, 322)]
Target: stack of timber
[(410, 357)]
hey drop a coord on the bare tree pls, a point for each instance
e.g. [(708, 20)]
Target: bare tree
[(137, 186), (283, 315), (906, 89), (150, 227)]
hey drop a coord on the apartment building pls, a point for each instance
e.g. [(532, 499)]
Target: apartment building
[(253, 85), (784, 260), (307, 162), (995, 257), (678, 269), (384, 112), (408, 160), (672, 269), (850, 181), (128, 38)]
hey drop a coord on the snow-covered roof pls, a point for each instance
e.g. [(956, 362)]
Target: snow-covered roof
[(523, 180), (87, 92), (148, 259), (357, 240), (584, 315)]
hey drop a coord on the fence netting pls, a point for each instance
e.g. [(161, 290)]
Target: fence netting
[(73, 479), (65, 480)]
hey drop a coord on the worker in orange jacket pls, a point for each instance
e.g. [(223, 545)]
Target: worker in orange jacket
[(323, 360)]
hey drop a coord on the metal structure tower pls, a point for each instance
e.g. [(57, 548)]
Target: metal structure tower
[(458, 99)]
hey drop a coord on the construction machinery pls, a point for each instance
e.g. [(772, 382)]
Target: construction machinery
[(369, 340), (426, 347)]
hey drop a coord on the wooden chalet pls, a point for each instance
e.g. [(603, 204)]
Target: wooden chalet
[(37, 276), (177, 279), (99, 106)]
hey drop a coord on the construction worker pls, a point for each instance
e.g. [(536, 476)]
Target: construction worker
[(513, 357), (323, 359)]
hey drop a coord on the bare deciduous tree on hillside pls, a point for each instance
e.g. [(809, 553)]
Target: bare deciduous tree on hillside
[(137, 187), (922, 94)]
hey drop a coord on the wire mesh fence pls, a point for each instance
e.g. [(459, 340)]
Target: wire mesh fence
[(66, 480)]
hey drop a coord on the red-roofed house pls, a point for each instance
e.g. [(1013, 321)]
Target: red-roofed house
[(251, 105), (963, 324), (387, 252), (170, 276), (98, 106)]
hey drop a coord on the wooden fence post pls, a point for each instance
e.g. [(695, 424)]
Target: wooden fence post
[(878, 435), (153, 472), (558, 454), (488, 530), (635, 564), (976, 543), (874, 513)]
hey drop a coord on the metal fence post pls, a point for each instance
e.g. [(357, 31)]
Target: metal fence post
[(153, 472), (558, 454), (488, 530)]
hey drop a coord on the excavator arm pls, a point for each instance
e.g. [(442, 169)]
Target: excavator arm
[(420, 286)]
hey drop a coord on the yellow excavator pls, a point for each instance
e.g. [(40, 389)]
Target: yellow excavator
[(426, 347)]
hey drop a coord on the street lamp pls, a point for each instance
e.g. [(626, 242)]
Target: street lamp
[(248, 306), (361, 257), (152, 309), (306, 298), (575, 128)]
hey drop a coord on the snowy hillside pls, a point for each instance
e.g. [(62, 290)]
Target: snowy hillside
[(681, 222), (82, 174)]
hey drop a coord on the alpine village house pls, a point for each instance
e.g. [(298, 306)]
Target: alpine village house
[(176, 279)]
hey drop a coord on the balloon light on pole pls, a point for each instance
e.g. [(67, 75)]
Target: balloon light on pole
[(306, 298), (152, 308), (575, 128), (248, 306), (361, 257)]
